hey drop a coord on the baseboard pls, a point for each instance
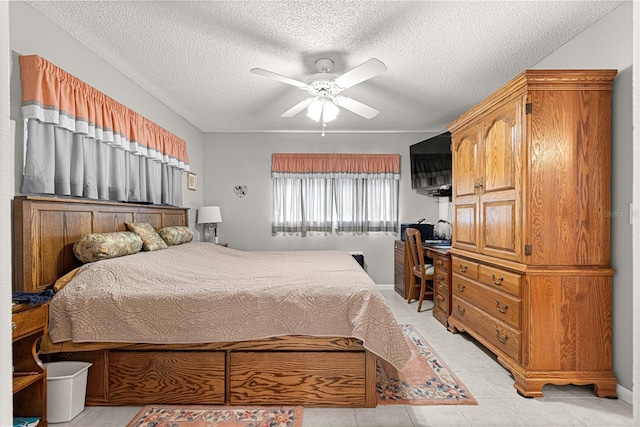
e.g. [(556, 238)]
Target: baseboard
[(624, 394), (386, 287)]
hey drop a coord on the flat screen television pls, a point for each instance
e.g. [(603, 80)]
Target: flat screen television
[(431, 165)]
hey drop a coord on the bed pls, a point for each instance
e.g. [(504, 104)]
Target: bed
[(259, 335)]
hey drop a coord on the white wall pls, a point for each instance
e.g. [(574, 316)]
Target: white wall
[(608, 44), (6, 193), (27, 29), (245, 159)]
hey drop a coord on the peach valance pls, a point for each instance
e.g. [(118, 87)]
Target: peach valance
[(320, 163), (51, 95)]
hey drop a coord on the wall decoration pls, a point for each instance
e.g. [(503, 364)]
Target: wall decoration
[(240, 190), (191, 181)]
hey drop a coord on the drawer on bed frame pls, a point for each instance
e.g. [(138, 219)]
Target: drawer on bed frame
[(143, 377), (306, 378), (180, 377)]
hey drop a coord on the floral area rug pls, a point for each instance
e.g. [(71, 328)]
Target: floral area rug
[(425, 379), (217, 416)]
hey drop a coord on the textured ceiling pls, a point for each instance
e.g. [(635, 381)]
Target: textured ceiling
[(442, 56)]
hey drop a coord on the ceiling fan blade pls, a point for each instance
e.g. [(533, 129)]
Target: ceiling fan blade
[(356, 107), (283, 79), (362, 72), (298, 107)]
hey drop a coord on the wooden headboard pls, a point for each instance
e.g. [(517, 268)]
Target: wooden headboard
[(45, 229)]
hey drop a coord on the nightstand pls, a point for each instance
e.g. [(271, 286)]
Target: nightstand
[(28, 324)]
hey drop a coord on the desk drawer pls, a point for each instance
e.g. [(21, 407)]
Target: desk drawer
[(441, 262), (29, 321), (487, 329), (496, 304)]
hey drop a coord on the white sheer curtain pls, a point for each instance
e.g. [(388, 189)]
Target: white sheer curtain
[(341, 193), (81, 143)]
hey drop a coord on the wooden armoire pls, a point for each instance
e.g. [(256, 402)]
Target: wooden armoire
[(531, 273)]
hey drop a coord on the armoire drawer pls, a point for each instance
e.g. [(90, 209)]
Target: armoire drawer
[(464, 267), (500, 279), (496, 304), (487, 328)]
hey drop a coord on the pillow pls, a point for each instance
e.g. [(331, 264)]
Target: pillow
[(97, 246), (151, 241), (176, 235), (62, 282)]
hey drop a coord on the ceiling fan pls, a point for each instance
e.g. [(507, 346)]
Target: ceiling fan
[(325, 89)]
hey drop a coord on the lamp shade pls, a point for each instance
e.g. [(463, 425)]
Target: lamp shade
[(209, 214)]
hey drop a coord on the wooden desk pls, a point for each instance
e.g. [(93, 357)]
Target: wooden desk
[(441, 282)]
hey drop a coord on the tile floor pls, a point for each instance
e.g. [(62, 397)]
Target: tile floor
[(498, 402)]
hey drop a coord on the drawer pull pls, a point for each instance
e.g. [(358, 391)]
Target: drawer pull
[(461, 287), (504, 308), (496, 282), (503, 339), (461, 311), (14, 326), (463, 268), (439, 263), (441, 286)]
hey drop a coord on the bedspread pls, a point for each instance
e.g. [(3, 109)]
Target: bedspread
[(201, 292)]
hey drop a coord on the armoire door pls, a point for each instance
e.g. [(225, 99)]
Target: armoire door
[(466, 171), (499, 203)]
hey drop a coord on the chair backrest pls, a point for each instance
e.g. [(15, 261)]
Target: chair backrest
[(414, 241)]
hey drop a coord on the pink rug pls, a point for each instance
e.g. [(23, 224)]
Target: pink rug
[(425, 380), (217, 416)]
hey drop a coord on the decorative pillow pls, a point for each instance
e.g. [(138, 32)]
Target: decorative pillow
[(97, 246), (176, 235), (151, 241), (62, 282)]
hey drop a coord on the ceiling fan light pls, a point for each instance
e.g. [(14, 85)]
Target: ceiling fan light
[(330, 111), (315, 109)]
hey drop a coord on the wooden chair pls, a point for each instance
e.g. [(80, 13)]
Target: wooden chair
[(418, 268)]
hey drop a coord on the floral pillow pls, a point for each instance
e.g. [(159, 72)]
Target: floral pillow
[(151, 240), (176, 235), (98, 246)]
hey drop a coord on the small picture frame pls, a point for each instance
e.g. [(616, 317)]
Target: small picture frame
[(191, 181)]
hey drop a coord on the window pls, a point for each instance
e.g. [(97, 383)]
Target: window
[(335, 192), (79, 142)]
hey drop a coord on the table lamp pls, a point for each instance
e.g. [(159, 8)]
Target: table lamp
[(210, 216)]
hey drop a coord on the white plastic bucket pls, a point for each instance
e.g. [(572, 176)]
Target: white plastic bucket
[(66, 390)]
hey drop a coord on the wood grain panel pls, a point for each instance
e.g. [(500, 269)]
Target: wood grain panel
[(57, 231), (106, 222), (167, 377), (500, 151), (499, 221), (301, 378), (465, 230), (155, 218), (570, 177), (571, 317), (465, 161)]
